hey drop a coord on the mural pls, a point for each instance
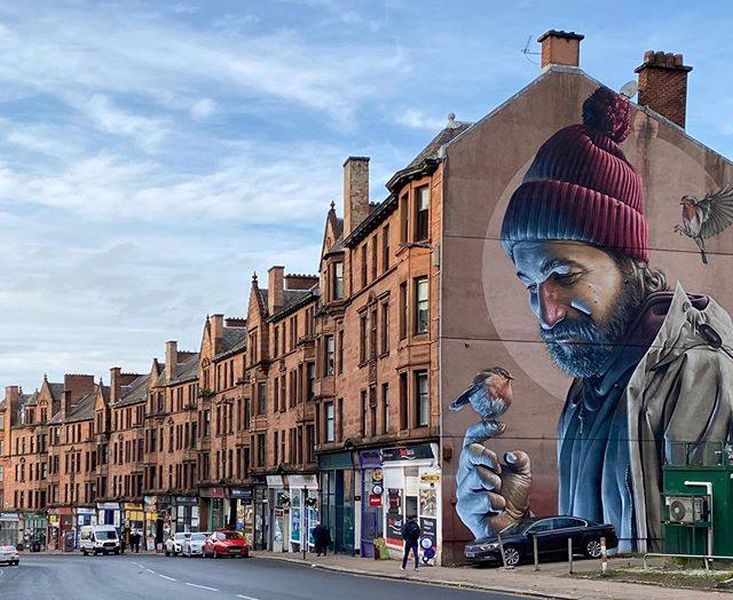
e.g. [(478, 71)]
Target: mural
[(702, 219), (650, 365)]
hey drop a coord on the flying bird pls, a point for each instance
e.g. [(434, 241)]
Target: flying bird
[(490, 394), (706, 217)]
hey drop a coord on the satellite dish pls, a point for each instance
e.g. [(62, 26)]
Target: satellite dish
[(629, 89)]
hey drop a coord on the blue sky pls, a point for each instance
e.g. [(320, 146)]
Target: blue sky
[(154, 154)]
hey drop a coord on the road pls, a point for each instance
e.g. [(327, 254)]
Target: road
[(138, 577)]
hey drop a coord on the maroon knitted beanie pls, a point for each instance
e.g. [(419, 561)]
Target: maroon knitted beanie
[(580, 186)]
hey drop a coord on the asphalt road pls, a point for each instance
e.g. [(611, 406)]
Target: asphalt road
[(152, 577)]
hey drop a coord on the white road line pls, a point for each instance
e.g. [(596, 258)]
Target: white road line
[(150, 570), (246, 597), (202, 587), (166, 577)]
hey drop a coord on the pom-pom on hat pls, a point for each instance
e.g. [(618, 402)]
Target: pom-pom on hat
[(580, 186)]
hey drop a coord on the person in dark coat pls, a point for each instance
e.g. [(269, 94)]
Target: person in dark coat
[(135, 541), (410, 534), (321, 539)]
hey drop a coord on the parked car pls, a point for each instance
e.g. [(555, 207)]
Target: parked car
[(552, 540), (9, 555), (194, 545), (99, 539), (174, 543), (225, 543)]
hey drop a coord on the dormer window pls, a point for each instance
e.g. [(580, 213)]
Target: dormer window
[(338, 280)]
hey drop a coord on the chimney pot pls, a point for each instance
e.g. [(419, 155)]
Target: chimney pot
[(356, 192), (560, 48), (663, 85)]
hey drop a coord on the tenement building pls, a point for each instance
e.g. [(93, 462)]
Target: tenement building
[(532, 320)]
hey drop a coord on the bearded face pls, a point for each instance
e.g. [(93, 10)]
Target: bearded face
[(581, 300)]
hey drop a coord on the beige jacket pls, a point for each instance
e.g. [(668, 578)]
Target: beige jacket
[(679, 392)]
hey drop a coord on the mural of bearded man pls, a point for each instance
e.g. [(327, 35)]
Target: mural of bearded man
[(648, 368)]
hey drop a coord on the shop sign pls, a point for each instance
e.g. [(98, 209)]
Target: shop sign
[(9, 516), (375, 500), (214, 492), (308, 482), (430, 477), (186, 500), (108, 506), (394, 528), (370, 459), (53, 520), (377, 476), (395, 500), (85, 511), (428, 527), (420, 452), (244, 494)]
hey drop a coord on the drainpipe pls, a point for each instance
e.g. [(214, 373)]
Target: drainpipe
[(709, 488)]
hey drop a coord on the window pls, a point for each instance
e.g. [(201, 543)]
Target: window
[(338, 280), (385, 408), (421, 305), (276, 341), (329, 355), (276, 445), (329, 422), (422, 213), (311, 375), (340, 351), (404, 218), (373, 332), (403, 310), (403, 401), (385, 248), (340, 420), (261, 398), (375, 250), (364, 409), (364, 266), (372, 411), (384, 349), (422, 399), (362, 337), (260, 449)]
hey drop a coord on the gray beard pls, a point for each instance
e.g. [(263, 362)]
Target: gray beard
[(592, 343)]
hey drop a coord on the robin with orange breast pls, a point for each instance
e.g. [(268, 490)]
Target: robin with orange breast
[(490, 395)]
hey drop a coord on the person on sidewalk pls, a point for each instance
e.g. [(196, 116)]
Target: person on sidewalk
[(321, 539), (411, 534), (135, 541)]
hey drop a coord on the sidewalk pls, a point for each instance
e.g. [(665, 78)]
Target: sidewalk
[(552, 581)]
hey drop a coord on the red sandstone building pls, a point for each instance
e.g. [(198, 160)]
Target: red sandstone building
[(329, 401)]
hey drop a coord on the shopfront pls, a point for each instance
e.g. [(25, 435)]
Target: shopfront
[(185, 512), (411, 488), (9, 528), (213, 505), (242, 509), (303, 510), (134, 519), (150, 522), (338, 487), (261, 513), (372, 505), (35, 530), (279, 503), (109, 513)]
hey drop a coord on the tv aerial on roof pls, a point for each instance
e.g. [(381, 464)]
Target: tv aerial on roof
[(527, 52), (629, 89)]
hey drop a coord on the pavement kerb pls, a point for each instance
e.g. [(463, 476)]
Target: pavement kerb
[(439, 582)]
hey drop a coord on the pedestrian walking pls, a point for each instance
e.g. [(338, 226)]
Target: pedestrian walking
[(321, 539), (410, 534), (135, 541)]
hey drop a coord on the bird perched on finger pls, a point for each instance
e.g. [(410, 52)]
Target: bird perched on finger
[(490, 395), (706, 217)]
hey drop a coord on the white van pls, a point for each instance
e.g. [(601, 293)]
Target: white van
[(99, 539)]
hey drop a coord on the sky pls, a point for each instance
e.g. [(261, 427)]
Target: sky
[(153, 155)]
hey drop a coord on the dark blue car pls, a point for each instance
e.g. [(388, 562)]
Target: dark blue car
[(552, 540)]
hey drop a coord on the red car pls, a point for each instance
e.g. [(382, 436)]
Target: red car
[(225, 543)]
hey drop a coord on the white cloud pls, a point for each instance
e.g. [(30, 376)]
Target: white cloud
[(203, 109), (417, 119), (146, 132)]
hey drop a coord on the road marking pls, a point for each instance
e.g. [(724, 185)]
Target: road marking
[(246, 597), (166, 577), (202, 587), (150, 570)]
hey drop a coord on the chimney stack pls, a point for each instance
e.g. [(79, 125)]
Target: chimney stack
[(12, 397), (79, 385), (115, 384), (171, 359), (663, 85), (275, 288), (560, 48), (217, 333), (66, 403), (356, 192)]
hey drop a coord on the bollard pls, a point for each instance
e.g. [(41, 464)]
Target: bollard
[(536, 553), (501, 549), (604, 556), (570, 556)]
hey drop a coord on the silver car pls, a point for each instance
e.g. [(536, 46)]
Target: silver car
[(8, 554), (194, 545), (174, 543)]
